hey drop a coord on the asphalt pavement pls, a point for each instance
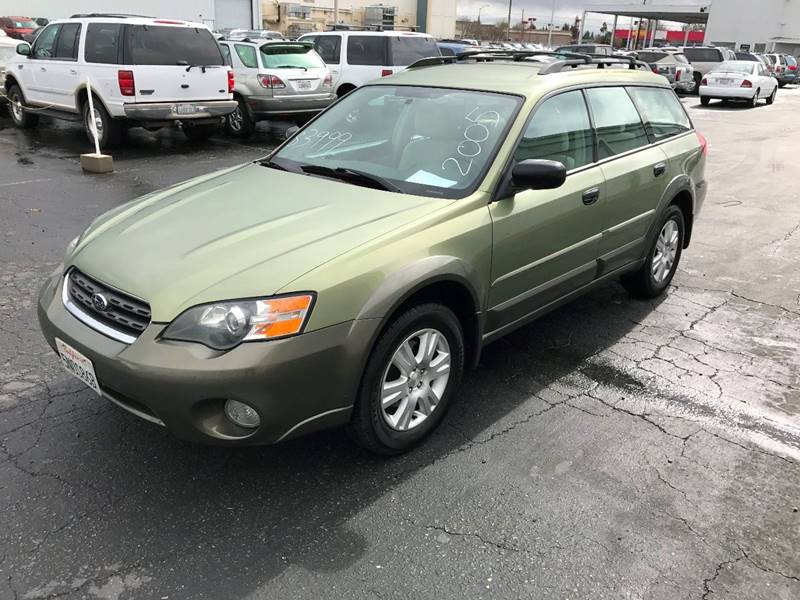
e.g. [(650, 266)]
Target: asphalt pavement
[(614, 449)]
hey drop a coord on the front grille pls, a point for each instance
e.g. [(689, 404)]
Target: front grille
[(122, 313)]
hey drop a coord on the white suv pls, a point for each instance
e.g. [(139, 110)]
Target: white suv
[(356, 57), (146, 72)]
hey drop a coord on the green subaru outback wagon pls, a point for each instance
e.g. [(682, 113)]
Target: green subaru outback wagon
[(353, 275)]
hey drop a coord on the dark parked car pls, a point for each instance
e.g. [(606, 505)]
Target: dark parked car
[(18, 27)]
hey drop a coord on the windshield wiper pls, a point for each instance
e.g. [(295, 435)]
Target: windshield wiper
[(272, 165), (351, 176)]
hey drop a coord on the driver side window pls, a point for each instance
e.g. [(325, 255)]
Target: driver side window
[(44, 45), (560, 130)]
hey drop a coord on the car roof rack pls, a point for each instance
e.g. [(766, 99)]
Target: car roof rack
[(345, 27), (568, 59), (109, 15)]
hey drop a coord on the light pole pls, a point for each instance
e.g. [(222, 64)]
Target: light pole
[(479, 12), (550, 29), (508, 29)]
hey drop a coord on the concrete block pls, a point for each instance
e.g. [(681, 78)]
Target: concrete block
[(97, 163)]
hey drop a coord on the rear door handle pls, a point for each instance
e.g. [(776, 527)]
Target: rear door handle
[(591, 196), (659, 169), (43, 69)]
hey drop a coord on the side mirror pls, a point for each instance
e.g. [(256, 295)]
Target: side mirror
[(289, 133), (538, 175), (24, 49)]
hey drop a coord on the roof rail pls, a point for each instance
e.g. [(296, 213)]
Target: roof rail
[(600, 60), (345, 27), (484, 55), (109, 15)]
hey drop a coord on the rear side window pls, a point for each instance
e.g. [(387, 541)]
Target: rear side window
[(165, 45), (651, 57), (67, 45), (703, 54), (43, 47), (366, 50), (327, 46), (248, 55), (285, 56), (226, 54), (446, 51), (103, 43), (408, 49), (662, 112), (619, 127), (559, 130)]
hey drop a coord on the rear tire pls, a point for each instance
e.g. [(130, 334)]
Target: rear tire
[(662, 259), (754, 100), (394, 422), (200, 133), (109, 131), (21, 118), (240, 122), (697, 79), (705, 100)]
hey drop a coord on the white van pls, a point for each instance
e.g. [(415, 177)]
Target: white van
[(357, 57), (143, 71)]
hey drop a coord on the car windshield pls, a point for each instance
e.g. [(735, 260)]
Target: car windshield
[(652, 56), (159, 45), (286, 56), (735, 67), (426, 141), (703, 54), (746, 56), (24, 24)]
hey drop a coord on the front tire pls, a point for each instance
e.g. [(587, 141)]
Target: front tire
[(109, 131), (21, 118), (771, 98), (662, 259), (705, 100), (411, 375)]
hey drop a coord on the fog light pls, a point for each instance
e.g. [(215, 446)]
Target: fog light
[(242, 414)]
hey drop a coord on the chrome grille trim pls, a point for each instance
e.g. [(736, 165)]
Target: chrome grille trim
[(81, 313)]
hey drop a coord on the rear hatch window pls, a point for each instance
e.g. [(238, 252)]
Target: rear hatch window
[(408, 49), (703, 54), (290, 56), (652, 57), (158, 45)]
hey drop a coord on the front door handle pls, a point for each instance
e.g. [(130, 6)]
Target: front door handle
[(73, 71), (659, 169), (42, 69), (591, 196)]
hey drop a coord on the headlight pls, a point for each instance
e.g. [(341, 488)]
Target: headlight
[(223, 325)]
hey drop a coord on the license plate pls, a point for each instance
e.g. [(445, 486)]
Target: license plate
[(77, 364), (185, 109), (304, 84), (725, 81)]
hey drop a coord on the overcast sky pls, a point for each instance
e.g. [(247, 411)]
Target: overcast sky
[(565, 10)]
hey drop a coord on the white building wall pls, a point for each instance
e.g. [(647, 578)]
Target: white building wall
[(189, 10), (442, 18), (752, 21)]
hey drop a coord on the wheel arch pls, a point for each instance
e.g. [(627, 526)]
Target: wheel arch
[(344, 88), (445, 280), (679, 192), (82, 96)]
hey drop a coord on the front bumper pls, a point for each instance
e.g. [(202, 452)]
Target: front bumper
[(297, 385), (168, 111), (289, 105), (724, 92)]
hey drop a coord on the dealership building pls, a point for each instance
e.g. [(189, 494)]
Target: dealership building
[(757, 25), (437, 17)]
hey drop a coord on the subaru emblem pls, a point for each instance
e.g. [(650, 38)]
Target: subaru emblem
[(100, 302)]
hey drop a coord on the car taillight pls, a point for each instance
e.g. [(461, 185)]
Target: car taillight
[(655, 70), (386, 72), (704, 82), (231, 81), (271, 82), (793, 67), (127, 86), (747, 83), (703, 142), (328, 81)]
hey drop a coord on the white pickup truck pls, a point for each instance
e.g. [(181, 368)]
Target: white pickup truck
[(143, 72)]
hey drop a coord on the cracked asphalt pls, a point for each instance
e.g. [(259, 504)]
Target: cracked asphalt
[(613, 449)]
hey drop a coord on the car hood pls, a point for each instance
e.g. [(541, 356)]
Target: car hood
[(242, 233)]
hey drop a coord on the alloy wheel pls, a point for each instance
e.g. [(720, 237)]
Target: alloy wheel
[(236, 120), (98, 123), (16, 108), (415, 379), (666, 251)]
